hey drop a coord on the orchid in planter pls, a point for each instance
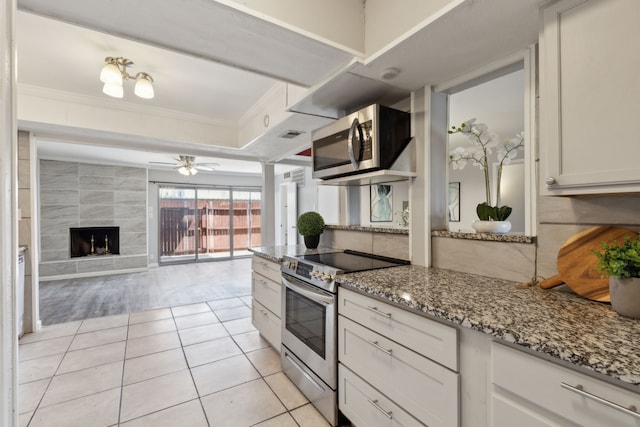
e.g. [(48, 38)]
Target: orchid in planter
[(484, 143)]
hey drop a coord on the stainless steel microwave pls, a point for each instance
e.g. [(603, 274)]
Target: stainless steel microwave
[(367, 140)]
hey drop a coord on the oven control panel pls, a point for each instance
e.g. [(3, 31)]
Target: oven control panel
[(310, 272)]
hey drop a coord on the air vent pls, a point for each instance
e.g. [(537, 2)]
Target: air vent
[(290, 134), (296, 175)]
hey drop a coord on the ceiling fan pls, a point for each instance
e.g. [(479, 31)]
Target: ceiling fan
[(187, 165)]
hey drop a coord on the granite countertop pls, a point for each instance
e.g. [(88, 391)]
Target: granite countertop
[(371, 229), (559, 324), (275, 253)]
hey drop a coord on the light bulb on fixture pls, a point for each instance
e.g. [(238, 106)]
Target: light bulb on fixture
[(113, 89), (114, 72), (186, 171), (144, 88), (110, 73)]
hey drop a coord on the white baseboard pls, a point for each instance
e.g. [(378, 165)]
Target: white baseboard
[(154, 265), (92, 274)]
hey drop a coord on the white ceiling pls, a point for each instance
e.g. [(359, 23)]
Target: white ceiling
[(206, 59), (217, 62)]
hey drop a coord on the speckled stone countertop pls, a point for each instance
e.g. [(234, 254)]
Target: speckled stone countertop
[(561, 325), (513, 238), (388, 230), (275, 253)]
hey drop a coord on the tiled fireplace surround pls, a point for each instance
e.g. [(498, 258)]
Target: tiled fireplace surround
[(87, 195)]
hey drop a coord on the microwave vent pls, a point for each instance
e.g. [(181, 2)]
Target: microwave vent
[(296, 175), (290, 134)]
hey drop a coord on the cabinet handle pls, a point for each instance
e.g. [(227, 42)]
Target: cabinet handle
[(550, 181), (381, 348), (381, 313), (578, 388), (375, 404)]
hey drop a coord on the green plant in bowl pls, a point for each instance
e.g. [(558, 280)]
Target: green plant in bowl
[(310, 224)]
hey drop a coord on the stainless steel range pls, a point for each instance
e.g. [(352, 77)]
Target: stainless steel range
[(309, 321)]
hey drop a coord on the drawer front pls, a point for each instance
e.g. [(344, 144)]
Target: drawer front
[(557, 389), (266, 292), (366, 406), (267, 323), (432, 339), (267, 268), (423, 388), (506, 411)]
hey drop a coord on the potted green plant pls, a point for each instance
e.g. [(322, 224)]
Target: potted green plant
[(621, 262), (492, 217), (310, 225)]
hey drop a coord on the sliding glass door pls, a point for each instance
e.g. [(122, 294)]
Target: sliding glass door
[(177, 223), (201, 223)]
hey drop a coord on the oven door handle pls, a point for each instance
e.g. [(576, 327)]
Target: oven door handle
[(309, 293)]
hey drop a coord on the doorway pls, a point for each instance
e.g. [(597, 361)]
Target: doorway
[(206, 223)]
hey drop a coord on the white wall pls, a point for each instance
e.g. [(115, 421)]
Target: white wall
[(339, 21), (307, 200), (399, 193), (498, 103), (384, 24)]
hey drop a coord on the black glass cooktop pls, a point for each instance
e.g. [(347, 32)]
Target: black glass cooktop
[(352, 261)]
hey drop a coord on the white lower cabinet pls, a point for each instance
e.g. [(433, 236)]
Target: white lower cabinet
[(266, 289), (390, 377), (535, 392), (267, 323), (366, 406)]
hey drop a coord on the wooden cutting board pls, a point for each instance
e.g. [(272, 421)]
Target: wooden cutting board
[(576, 262)]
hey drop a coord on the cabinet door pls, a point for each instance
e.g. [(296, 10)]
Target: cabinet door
[(267, 292), (589, 91), (561, 392), (426, 390), (267, 323), (506, 412), (268, 269), (366, 406), (434, 340)]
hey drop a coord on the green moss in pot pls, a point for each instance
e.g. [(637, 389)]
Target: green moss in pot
[(621, 262), (310, 225)]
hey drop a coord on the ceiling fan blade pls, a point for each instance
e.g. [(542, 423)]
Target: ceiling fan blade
[(203, 168), (162, 163)]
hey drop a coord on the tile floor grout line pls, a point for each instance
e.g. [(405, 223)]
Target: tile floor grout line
[(52, 376), (124, 361), (234, 339), (193, 380)]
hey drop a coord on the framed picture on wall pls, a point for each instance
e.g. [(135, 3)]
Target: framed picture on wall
[(454, 202), (381, 203)]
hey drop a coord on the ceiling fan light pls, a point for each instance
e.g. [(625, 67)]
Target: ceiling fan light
[(110, 73), (184, 171), (114, 90), (144, 88)]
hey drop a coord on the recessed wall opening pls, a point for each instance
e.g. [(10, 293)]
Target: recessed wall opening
[(94, 241)]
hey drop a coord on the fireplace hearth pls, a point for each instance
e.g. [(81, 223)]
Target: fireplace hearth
[(94, 241)]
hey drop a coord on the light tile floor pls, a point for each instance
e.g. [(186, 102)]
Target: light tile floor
[(196, 365)]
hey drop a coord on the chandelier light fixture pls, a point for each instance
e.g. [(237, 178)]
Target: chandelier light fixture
[(114, 73)]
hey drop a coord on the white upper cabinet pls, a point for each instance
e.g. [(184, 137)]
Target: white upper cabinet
[(589, 97)]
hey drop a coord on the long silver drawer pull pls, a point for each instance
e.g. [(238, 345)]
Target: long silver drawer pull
[(379, 347), (381, 313), (631, 410), (375, 404)]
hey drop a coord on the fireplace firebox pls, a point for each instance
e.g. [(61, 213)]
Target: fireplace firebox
[(94, 241)]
